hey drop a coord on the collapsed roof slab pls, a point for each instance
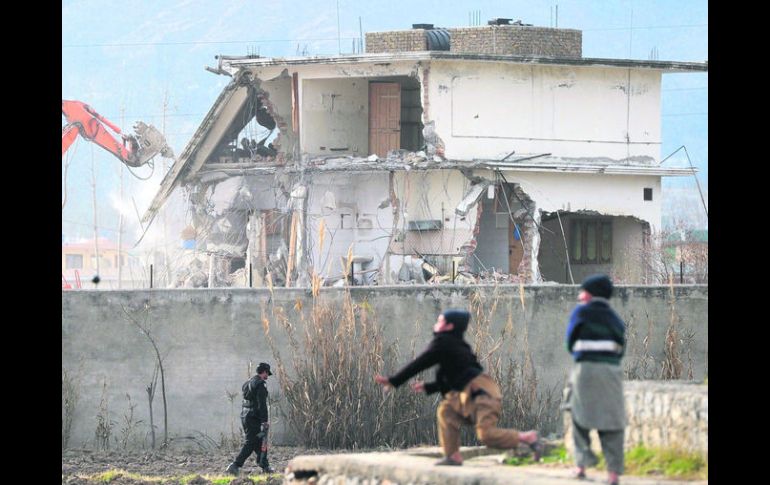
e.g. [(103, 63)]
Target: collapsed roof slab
[(206, 138)]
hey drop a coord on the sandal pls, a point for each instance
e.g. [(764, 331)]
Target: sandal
[(448, 462), (579, 473)]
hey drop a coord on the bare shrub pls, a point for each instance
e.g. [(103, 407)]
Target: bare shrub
[(134, 318), (129, 424), (104, 424), (639, 362), (331, 398), (677, 256), (231, 442), (70, 395), (525, 404), (332, 401)]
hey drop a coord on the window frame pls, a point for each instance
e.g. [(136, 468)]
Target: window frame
[(579, 230), (73, 255)]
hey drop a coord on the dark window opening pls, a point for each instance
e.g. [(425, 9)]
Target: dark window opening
[(236, 264), (647, 193), (591, 241)]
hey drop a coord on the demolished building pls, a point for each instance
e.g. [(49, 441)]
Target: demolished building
[(457, 155)]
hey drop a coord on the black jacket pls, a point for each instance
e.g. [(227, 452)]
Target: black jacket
[(457, 364), (255, 389)]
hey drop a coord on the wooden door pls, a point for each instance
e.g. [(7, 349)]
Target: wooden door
[(515, 246), (384, 118)]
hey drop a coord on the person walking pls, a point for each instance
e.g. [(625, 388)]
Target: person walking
[(254, 419), (596, 339)]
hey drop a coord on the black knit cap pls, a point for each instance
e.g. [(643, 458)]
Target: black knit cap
[(459, 318), (598, 285), (264, 367)]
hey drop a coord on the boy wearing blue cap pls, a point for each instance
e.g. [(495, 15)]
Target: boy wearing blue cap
[(471, 397), (596, 339)]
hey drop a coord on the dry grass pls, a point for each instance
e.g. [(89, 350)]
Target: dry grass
[(508, 359), (331, 398), (70, 395), (104, 424), (661, 259), (332, 401), (674, 361)]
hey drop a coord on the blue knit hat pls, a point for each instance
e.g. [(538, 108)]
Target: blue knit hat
[(459, 318), (598, 285)]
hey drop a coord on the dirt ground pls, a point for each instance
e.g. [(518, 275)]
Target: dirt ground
[(77, 465)]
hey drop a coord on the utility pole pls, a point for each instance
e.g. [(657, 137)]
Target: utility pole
[(165, 226), (93, 193), (631, 33), (360, 37), (339, 39), (120, 212)]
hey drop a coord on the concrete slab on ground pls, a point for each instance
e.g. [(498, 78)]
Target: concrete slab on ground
[(416, 466)]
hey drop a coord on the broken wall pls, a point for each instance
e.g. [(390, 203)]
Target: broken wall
[(492, 250), (485, 110), (338, 112), (224, 210), (278, 103), (433, 195), (340, 91), (627, 237), (610, 195), (348, 203)]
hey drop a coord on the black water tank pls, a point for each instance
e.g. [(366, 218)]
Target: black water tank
[(422, 26), (438, 40)]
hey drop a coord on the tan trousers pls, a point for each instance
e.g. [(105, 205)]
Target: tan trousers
[(457, 408)]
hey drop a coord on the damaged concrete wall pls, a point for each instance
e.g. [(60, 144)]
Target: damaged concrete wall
[(611, 195), (492, 248), (627, 248), (627, 236), (331, 91), (278, 91), (433, 195), (222, 213), (356, 213), (312, 82), (486, 110), (336, 112), (208, 338)]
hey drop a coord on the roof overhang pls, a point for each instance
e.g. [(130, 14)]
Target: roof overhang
[(228, 63), (203, 142), (611, 169)]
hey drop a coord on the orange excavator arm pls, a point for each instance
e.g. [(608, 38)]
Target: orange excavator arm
[(134, 150), (82, 119)]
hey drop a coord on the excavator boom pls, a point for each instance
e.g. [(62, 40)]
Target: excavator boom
[(134, 150)]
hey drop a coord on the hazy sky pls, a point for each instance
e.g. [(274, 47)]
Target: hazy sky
[(125, 57)]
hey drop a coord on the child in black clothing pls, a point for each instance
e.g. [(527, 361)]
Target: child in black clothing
[(470, 396)]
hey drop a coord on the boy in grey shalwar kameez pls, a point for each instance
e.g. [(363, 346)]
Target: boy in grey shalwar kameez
[(596, 340)]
